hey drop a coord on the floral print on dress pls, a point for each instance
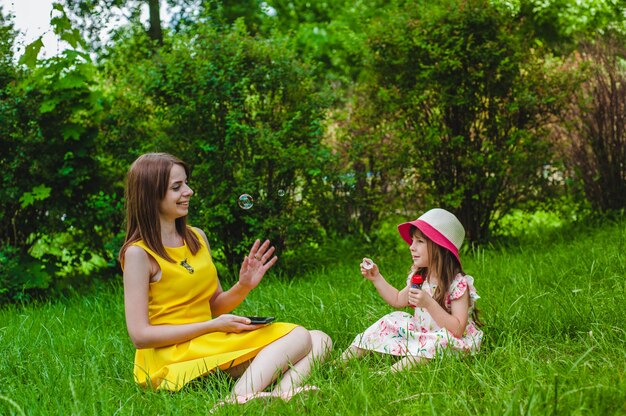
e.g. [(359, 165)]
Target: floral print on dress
[(400, 333)]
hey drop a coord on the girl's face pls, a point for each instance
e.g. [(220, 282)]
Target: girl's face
[(175, 204), (419, 250)]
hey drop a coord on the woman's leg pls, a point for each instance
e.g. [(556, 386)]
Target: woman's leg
[(238, 370), (273, 360), (321, 347)]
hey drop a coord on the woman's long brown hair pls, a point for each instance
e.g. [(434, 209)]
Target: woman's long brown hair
[(445, 266), (146, 185)]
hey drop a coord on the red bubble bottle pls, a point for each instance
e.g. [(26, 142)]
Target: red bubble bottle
[(416, 283)]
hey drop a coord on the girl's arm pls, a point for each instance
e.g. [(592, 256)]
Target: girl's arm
[(137, 272), (391, 295), (455, 321), (252, 271)]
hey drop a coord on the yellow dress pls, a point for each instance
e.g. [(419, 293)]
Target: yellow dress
[(182, 296)]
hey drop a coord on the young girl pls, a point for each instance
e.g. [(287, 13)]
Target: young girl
[(177, 313), (444, 316)]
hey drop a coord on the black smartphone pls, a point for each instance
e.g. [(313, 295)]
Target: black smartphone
[(260, 319)]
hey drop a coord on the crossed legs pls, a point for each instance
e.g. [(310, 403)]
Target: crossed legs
[(321, 345), (292, 355)]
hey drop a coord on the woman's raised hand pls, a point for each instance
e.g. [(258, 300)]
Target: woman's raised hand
[(256, 264)]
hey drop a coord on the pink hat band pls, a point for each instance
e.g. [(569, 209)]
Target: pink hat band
[(438, 238), (440, 226)]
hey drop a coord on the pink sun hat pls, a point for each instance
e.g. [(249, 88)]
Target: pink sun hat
[(440, 226)]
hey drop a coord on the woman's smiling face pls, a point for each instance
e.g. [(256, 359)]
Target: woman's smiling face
[(175, 204)]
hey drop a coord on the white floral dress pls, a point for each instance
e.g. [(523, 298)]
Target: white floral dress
[(401, 334)]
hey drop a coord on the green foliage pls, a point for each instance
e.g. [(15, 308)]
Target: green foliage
[(93, 19), (7, 38), (19, 275), (591, 133), (49, 117), (563, 23), (244, 114), (328, 33), (337, 117), (32, 51), (367, 181), (8, 70), (471, 95)]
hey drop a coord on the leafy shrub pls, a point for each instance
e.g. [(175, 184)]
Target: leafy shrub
[(562, 23), (471, 95), (49, 116), (592, 131), (367, 182), (243, 112)]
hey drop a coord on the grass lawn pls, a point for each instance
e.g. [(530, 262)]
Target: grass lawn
[(554, 309)]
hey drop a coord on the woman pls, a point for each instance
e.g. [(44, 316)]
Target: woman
[(178, 315)]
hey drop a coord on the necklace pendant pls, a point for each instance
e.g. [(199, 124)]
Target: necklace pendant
[(187, 266)]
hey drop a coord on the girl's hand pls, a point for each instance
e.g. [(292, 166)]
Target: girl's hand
[(419, 298), (256, 263), (234, 323), (369, 269)]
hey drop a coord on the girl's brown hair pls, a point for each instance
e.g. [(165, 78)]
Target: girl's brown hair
[(146, 185), (444, 265)]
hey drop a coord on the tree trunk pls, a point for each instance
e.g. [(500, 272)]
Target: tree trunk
[(155, 31)]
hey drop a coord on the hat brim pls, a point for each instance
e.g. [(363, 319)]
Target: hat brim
[(430, 232)]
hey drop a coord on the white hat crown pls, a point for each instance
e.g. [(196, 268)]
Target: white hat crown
[(447, 224)]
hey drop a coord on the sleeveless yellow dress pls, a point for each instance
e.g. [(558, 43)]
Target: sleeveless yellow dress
[(182, 296)]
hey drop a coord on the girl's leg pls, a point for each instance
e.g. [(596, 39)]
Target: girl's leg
[(321, 347), (272, 361), (353, 352), (407, 362)]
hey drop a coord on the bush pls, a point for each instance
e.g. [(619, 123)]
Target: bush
[(472, 96), (592, 131), (50, 182), (244, 113)]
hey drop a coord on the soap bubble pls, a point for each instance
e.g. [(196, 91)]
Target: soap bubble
[(281, 192), (246, 201)]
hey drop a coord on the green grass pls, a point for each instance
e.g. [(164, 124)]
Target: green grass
[(554, 307)]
